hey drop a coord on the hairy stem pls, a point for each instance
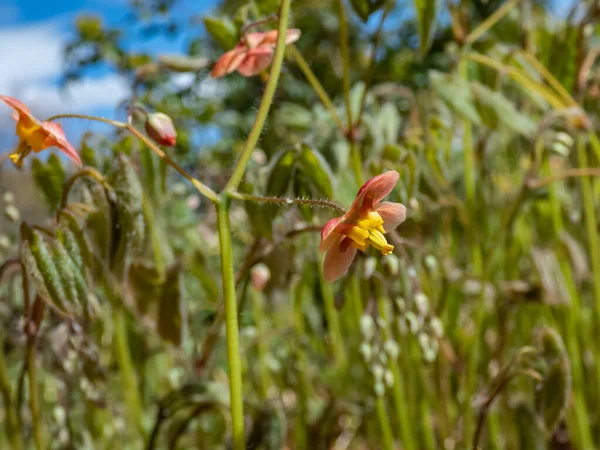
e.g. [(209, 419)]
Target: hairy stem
[(267, 99), (288, 201), (231, 325), (202, 188)]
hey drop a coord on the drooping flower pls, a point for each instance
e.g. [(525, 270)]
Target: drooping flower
[(160, 128), (364, 225), (35, 135), (253, 54)]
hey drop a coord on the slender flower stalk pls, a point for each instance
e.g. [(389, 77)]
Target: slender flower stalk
[(201, 187), (231, 325), (267, 99), (317, 86), (288, 201)]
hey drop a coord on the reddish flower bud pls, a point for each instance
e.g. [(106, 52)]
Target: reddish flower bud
[(160, 128)]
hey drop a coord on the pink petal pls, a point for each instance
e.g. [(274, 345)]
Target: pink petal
[(372, 192), (22, 110), (379, 186), (327, 235), (258, 38), (337, 262), (292, 36), (255, 62), (56, 138), (393, 214), (228, 62)]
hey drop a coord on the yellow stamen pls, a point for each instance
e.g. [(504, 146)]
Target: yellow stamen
[(369, 231)]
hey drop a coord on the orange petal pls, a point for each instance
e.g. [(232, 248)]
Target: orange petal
[(228, 62), (56, 138), (393, 214), (337, 262), (327, 235)]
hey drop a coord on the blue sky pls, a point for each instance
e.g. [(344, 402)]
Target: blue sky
[(33, 34)]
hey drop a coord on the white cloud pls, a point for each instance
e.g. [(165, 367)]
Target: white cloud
[(31, 64)]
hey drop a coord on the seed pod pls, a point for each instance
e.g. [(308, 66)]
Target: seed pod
[(552, 394), (40, 266)]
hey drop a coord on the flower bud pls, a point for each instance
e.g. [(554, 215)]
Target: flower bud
[(367, 327), (160, 128), (392, 348), (12, 214), (422, 303), (379, 389), (260, 276)]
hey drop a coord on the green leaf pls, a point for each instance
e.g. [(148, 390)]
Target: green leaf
[(280, 175), (553, 393), (495, 108), (144, 285), (294, 116), (317, 170), (171, 311), (456, 93), (49, 178), (222, 30), (427, 11), (40, 265)]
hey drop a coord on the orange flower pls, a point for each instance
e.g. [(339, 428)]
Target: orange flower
[(35, 135), (253, 54), (362, 226)]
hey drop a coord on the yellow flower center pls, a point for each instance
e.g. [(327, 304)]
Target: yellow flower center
[(368, 230), (32, 134)]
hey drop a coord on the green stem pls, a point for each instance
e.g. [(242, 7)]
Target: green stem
[(398, 390), (355, 159), (590, 219), (202, 188), (384, 421), (492, 20), (345, 53), (34, 398), (300, 432), (11, 423), (267, 99), (130, 384), (317, 86), (476, 261), (231, 325)]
